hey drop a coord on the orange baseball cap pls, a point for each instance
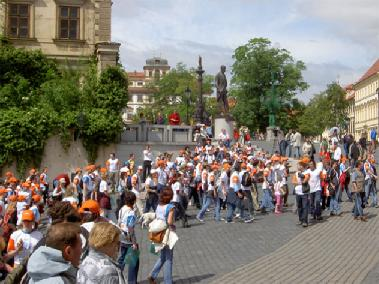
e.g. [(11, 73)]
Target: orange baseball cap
[(12, 180), (91, 206), (103, 170), (12, 198), (36, 198), (21, 198), (27, 215)]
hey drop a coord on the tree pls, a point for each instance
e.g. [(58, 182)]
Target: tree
[(38, 100), (169, 91), (251, 82), (325, 110)]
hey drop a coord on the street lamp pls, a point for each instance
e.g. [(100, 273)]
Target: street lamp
[(188, 97)]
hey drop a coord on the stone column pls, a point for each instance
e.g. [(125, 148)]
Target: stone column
[(107, 54)]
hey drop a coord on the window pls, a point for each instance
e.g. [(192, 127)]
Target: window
[(19, 20), (139, 83), (140, 98), (150, 73), (68, 22)]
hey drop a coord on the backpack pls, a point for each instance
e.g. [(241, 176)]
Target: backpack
[(246, 179)]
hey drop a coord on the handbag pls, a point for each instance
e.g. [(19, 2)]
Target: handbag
[(305, 188), (157, 237)]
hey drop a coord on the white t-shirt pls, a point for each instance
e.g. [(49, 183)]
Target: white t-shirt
[(29, 241), (113, 165), (103, 187), (314, 180), (237, 185), (147, 155), (299, 187), (337, 154), (176, 188)]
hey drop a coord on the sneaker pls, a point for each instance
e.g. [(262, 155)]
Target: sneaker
[(305, 225), (299, 223), (248, 221), (200, 220), (237, 216), (229, 222)]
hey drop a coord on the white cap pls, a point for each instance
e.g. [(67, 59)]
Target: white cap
[(153, 171), (140, 167), (124, 170)]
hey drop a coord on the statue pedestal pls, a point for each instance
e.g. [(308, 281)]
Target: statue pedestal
[(222, 123), (270, 133)]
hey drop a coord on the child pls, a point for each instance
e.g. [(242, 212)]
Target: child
[(279, 193)]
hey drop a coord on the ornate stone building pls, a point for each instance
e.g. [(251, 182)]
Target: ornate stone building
[(350, 97), (366, 114), (71, 31), (139, 94)]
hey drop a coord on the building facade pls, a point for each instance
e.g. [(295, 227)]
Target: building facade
[(350, 97), (366, 116), (140, 95), (70, 31)]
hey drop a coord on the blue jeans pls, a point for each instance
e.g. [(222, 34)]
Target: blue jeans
[(296, 152), (334, 205), (207, 202), (358, 210), (289, 147), (267, 200), (166, 259), (316, 203), (132, 269), (230, 207), (302, 207), (370, 190)]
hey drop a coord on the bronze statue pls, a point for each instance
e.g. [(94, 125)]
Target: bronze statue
[(221, 84)]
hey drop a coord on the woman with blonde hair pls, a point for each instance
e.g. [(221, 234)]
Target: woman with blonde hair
[(100, 266), (70, 196)]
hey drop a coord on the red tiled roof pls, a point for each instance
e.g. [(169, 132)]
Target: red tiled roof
[(372, 71), (136, 74)]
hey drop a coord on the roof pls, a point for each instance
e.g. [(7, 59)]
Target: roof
[(136, 74), (374, 69), (156, 61)]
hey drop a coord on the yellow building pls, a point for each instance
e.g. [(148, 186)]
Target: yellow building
[(350, 97), (71, 31), (366, 114)]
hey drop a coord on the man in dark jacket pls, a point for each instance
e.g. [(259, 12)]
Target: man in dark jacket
[(353, 154)]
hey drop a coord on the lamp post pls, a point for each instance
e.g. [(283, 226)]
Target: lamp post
[(188, 97), (199, 112)]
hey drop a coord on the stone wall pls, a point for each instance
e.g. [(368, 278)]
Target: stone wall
[(60, 161)]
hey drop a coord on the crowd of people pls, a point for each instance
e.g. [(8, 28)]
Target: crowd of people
[(91, 239)]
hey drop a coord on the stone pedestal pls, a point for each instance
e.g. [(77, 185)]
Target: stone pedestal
[(270, 133), (222, 123)]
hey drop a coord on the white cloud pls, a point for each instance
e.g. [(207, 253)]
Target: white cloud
[(337, 39)]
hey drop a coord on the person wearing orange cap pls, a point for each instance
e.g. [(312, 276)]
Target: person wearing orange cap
[(162, 175), (91, 214), (88, 182), (35, 202), (267, 203), (246, 184), (23, 241), (211, 195)]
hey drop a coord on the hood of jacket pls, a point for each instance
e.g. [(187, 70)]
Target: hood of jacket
[(47, 262)]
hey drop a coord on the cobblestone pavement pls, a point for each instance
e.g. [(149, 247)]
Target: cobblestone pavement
[(208, 250), (339, 250)]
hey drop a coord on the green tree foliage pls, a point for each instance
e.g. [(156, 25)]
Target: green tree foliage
[(325, 110), (38, 100), (251, 82), (169, 91)]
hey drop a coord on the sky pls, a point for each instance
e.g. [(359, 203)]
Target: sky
[(338, 40)]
